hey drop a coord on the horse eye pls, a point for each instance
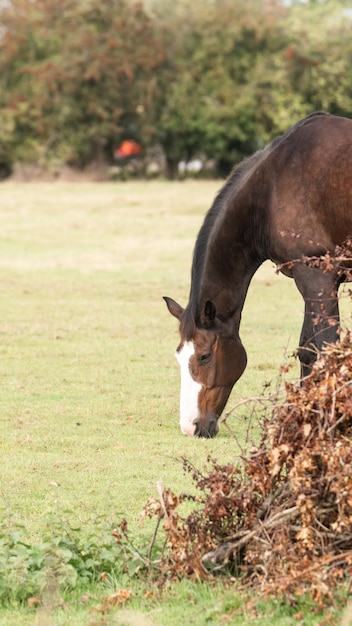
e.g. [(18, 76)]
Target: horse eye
[(204, 358)]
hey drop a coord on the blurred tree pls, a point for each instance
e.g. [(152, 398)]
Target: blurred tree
[(211, 107), (214, 79), (319, 56), (77, 74)]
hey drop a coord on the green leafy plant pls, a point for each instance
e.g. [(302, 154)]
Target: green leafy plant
[(66, 556)]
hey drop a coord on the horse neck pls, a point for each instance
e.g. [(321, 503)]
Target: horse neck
[(228, 290), (234, 253)]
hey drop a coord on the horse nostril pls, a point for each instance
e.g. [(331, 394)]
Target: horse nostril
[(206, 431), (198, 428), (213, 428)]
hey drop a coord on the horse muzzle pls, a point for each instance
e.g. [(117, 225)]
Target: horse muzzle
[(206, 428)]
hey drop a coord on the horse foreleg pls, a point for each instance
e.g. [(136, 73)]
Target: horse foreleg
[(307, 351), (321, 314)]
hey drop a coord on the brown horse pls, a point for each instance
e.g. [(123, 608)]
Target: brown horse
[(290, 200)]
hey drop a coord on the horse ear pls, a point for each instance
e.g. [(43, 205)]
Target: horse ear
[(209, 313), (175, 309)]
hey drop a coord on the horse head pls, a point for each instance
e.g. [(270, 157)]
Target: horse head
[(211, 361)]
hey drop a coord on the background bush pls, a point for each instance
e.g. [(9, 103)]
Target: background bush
[(214, 80)]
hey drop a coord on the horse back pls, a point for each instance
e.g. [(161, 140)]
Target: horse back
[(308, 181)]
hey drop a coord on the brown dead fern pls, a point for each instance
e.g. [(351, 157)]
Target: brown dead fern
[(281, 518)]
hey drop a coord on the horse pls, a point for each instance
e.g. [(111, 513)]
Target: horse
[(290, 200)]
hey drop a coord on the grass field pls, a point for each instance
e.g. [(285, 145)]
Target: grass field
[(89, 402)]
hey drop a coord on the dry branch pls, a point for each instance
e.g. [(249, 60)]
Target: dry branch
[(282, 517)]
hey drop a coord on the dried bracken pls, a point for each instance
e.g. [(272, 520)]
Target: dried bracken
[(282, 517)]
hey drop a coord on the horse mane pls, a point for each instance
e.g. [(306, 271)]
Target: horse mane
[(238, 176)]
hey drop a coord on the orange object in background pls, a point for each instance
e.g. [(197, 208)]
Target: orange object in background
[(128, 148)]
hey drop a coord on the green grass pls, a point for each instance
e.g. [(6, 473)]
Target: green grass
[(89, 402)]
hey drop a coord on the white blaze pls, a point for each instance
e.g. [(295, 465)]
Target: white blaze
[(189, 390)]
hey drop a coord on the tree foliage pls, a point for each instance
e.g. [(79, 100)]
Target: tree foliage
[(212, 106), (216, 79), (75, 73)]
